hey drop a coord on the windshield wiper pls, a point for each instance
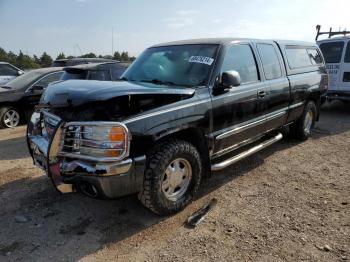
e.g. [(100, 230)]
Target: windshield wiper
[(6, 87), (158, 82)]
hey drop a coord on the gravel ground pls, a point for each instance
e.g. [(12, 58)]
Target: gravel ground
[(288, 202)]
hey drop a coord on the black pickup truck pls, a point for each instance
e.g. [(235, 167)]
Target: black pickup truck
[(181, 111)]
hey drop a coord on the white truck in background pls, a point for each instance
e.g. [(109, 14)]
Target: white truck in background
[(336, 51)]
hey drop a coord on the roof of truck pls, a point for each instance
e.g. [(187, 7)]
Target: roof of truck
[(226, 41)]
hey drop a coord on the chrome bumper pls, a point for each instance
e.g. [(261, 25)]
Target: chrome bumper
[(65, 170)]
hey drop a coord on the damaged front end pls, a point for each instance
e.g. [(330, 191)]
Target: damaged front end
[(90, 156)]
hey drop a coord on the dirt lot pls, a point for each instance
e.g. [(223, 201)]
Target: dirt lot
[(288, 202)]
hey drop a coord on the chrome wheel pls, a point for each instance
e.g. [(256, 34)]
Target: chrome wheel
[(176, 179), (11, 118), (308, 121)]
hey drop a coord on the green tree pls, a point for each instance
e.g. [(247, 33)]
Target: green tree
[(45, 60), (3, 55), (36, 59), (61, 56), (11, 57), (25, 61), (124, 56), (117, 56), (89, 55)]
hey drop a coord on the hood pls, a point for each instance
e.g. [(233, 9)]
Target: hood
[(79, 92)]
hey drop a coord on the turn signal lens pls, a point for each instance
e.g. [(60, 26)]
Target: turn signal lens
[(117, 133)]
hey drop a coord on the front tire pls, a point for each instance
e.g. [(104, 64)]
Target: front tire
[(301, 129), (172, 177), (9, 117)]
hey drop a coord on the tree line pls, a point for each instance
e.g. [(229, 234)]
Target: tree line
[(24, 61)]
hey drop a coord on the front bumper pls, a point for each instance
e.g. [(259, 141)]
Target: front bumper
[(108, 179)]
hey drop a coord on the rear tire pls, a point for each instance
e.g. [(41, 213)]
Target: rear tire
[(9, 117), (301, 129), (172, 177)]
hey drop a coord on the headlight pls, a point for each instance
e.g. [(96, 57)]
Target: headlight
[(97, 140)]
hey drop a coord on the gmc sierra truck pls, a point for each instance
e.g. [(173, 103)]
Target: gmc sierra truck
[(181, 111)]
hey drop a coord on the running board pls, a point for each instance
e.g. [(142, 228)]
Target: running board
[(234, 159)]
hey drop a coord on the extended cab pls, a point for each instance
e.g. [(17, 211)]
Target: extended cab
[(182, 110)]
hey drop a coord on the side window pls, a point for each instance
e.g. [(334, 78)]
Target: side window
[(332, 51), (315, 56), (241, 59), (347, 54), (297, 57), (7, 70), (269, 58), (46, 80)]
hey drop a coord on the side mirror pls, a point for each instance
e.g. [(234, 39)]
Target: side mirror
[(20, 72), (230, 79)]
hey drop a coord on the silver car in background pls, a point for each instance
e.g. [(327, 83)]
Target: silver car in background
[(8, 72)]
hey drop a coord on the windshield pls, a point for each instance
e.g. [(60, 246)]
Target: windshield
[(185, 65), (24, 80)]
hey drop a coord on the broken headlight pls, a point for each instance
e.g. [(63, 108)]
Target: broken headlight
[(100, 141)]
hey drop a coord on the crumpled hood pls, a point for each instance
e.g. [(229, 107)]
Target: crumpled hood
[(79, 92)]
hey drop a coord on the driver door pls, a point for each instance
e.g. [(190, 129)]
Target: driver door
[(238, 114)]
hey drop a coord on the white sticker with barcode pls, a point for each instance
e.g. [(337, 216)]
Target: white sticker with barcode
[(201, 60)]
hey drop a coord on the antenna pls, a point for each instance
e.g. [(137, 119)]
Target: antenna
[(78, 47), (81, 54), (112, 41)]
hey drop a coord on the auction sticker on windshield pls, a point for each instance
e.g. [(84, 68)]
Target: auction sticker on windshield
[(201, 60)]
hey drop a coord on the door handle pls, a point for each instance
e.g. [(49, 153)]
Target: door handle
[(261, 94)]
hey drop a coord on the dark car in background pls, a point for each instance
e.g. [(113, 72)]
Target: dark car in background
[(78, 61), (108, 71), (19, 96)]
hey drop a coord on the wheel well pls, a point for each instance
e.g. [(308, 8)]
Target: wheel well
[(197, 138)]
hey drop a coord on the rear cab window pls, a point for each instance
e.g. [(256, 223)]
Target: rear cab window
[(297, 57), (315, 56), (303, 56)]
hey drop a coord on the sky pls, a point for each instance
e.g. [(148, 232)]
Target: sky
[(83, 26)]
